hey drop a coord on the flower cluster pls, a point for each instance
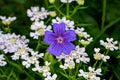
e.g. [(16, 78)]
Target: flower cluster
[(76, 56), (69, 24), (99, 56), (80, 2), (45, 70), (86, 39), (39, 28), (91, 75), (36, 14), (7, 21), (110, 44)]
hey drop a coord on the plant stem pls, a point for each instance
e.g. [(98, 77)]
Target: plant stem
[(103, 13), (59, 10), (38, 44), (104, 29), (75, 10), (67, 12), (95, 63), (46, 3), (102, 61), (111, 77)]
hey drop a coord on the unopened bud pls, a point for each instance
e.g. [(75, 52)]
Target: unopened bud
[(80, 2), (52, 13), (51, 1)]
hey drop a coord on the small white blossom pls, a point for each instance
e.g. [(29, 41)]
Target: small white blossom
[(7, 21), (39, 29), (36, 15), (86, 42), (33, 59), (65, 1), (76, 56), (110, 44), (2, 60), (99, 56), (92, 74), (81, 33), (11, 42), (53, 77), (69, 24)]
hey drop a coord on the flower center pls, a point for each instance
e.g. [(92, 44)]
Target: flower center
[(59, 39)]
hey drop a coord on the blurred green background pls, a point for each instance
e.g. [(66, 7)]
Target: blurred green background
[(90, 18)]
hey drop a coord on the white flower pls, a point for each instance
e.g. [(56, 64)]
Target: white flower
[(99, 56), (36, 15), (86, 42), (76, 56), (105, 58), (7, 21), (33, 59), (91, 74), (81, 33), (110, 44), (69, 24), (65, 1), (11, 42), (2, 60), (37, 68), (51, 77), (39, 29)]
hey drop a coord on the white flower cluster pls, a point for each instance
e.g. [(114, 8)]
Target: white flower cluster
[(39, 28), (36, 14), (33, 59), (67, 1), (45, 70), (69, 24), (99, 56), (76, 56), (110, 44), (86, 37), (7, 21), (37, 17), (91, 75), (80, 2), (2, 60), (10, 43)]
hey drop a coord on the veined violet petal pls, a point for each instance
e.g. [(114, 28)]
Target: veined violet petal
[(55, 49), (70, 35), (49, 37), (67, 48), (59, 29)]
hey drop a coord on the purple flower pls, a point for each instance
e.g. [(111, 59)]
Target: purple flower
[(60, 40)]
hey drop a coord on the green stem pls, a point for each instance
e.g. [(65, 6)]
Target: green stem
[(58, 10), (103, 13), (104, 29), (95, 63), (48, 20), (11, 73), (102, 61), (38, 44), (111, 77), (77, 69), (46, 3), (67, 12), (74, 11)]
